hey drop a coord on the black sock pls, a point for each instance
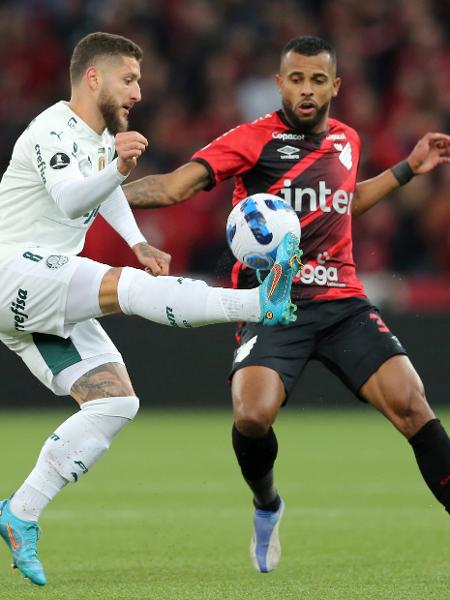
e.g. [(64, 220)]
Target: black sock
[(431, 446), (256, 457)]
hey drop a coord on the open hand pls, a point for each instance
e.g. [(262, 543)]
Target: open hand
[(431, 150)]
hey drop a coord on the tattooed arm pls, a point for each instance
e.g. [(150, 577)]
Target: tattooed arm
[(155, 191)]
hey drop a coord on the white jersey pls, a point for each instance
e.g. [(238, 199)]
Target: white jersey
[(56, 146)]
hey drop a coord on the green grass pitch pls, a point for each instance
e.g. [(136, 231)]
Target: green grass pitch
[(165, 514)]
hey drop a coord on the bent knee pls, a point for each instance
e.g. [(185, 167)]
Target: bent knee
[(130, 406), (119, 406), (253, 423), (409, 410), (408, 400)]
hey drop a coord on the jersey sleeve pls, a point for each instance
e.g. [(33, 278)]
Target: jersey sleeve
[(231, 154), (53, 153)]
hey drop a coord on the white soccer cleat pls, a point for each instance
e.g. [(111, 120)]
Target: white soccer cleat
[(265, 547)]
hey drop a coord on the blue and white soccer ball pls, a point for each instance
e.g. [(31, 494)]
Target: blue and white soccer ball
[(256, 226)]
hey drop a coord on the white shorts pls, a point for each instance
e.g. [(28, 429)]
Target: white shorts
[(34, 288)]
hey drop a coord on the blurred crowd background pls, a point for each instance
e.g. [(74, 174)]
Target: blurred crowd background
[(209, 65)]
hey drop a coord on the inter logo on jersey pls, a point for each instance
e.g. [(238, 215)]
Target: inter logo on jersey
[(59, 160)]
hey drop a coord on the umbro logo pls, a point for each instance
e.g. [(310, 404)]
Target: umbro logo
[(289, 152)]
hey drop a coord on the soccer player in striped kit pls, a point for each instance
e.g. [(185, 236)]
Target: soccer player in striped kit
[(311, 160)]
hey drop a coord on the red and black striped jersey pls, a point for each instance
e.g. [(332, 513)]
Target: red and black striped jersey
[(316, 174)]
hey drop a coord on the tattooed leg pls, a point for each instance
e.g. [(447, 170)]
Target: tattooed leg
[(106, 381), (108, 403)]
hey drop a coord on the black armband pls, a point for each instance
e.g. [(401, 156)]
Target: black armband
[(402, 172)]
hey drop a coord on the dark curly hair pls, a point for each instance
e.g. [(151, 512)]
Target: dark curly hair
[(309, 45)]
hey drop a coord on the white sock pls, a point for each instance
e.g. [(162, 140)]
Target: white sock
[(183, 302), (28, 503), (71, 451)]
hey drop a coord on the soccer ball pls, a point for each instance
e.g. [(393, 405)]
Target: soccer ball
[(256, 226)]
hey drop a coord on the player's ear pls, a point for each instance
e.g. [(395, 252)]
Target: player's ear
[(92, 78), (336, 86), (279, 82)]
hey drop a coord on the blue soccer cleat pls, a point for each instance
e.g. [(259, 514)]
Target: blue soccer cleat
[(265, 548), (275, 291), (21, 538)]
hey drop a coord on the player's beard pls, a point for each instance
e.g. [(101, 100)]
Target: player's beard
[(308, 124), (110, 112)]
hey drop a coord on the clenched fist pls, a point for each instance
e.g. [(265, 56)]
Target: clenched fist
[(129, 145)]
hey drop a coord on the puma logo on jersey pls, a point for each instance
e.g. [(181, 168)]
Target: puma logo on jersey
[(58, 135)]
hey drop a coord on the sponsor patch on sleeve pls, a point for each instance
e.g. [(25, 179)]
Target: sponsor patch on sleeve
[(59, 160)]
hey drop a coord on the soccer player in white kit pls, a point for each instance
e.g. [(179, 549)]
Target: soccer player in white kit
[(62, 173)]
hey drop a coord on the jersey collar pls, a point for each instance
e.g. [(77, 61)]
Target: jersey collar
[(315, 138), (79, 125)]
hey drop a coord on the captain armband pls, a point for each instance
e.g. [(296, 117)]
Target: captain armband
[(402, 172)]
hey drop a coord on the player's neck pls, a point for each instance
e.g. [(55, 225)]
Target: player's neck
[(88, 112)]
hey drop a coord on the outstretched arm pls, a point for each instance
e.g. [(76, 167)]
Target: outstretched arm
[(430, 151), (154, 191)]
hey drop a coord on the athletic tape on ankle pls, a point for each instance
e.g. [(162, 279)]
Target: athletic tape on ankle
[(118, 406)]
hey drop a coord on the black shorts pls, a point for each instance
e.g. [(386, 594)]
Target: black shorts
[(348, 336)]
